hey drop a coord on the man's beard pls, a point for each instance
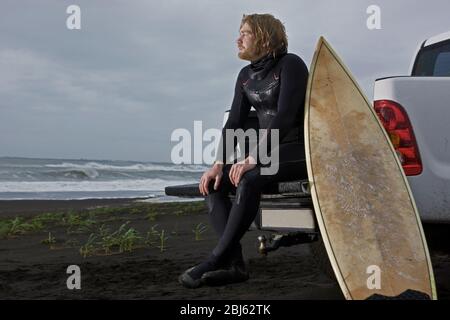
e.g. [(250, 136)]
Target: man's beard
[(250, 54)]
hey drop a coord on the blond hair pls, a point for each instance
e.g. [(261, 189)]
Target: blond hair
[(270, 34)]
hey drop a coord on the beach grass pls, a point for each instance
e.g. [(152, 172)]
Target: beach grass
[(107, 229), (18, 226), (198, 230)]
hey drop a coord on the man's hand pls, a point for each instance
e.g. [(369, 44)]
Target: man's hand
[(237, 170), (214, 173)]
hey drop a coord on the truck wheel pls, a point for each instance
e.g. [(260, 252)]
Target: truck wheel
[(320, 257)]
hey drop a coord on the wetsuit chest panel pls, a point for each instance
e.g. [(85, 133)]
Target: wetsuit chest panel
[(263, 95)]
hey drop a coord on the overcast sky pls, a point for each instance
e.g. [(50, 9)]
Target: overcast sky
[(137, 70)]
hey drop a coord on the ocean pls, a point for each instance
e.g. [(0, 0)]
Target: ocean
[(69, 179)]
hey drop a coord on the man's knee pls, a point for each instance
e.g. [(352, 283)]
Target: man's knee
[(250, 181), (249, 187), (211, 187), (223, 187)]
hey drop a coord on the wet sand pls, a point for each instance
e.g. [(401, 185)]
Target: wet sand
[(33, 269)]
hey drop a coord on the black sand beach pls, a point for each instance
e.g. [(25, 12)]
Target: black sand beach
[(37, 248)]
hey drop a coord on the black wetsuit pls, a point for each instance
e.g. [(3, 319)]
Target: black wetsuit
[(276, 88)]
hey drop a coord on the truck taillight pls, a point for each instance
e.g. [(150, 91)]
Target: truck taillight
[(396, 122)]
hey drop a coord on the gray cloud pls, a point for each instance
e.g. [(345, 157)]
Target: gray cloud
[(139, 69)]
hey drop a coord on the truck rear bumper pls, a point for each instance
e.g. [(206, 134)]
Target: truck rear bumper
[(284, 206)]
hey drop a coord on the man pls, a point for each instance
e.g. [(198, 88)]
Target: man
[(274, 83)]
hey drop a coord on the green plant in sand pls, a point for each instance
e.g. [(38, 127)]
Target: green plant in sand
[(89, 247), (50, 240), (107, 240), (48, 218), (16, 226), (198, 230), (128, 240), (162, 241), (77, 222), (152, 236), (157, 238), (125, 239)]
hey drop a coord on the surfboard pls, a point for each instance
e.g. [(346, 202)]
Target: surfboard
[(364, 207)]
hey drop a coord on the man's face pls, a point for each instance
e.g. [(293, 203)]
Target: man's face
[(246, 43)]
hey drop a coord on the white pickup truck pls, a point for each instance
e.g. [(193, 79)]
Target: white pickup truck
[(415, 111)]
